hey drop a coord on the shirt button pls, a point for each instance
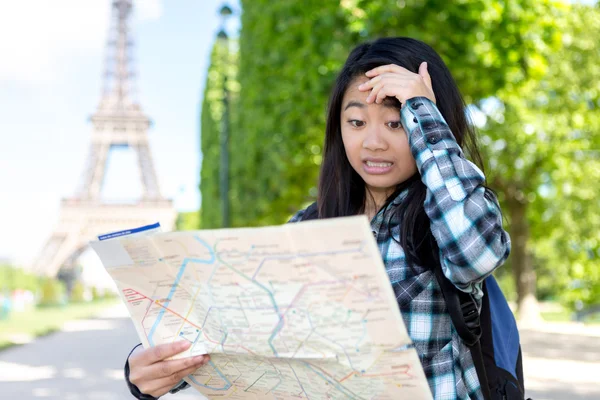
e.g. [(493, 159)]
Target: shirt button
[(375, 234), (415, 120), (433, 139), (415, 106)]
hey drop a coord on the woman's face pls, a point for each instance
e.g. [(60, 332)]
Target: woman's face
[(375, 142)]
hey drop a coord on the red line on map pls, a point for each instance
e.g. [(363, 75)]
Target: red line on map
[(405, 371), (183, 318), (133, 293), (136, 299), (347, 376)]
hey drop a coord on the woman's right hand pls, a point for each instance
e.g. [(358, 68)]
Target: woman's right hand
[(153, 374)]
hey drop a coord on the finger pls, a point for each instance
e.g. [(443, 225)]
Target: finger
[(373, 95), (170, 367), (388, 77), (424, 72), (165, 384), (389, 91), (369, 84), (382, 94), (161, 352), (387, 68), (159, 392)]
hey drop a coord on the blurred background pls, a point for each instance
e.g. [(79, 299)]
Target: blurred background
[(205, 114)]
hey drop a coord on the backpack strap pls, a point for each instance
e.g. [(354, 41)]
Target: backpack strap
[(466, 318)]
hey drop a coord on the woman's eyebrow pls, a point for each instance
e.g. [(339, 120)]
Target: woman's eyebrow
[(387, 103), (354, 103)]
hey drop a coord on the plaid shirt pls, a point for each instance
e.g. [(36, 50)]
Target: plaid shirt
[(468, 229)]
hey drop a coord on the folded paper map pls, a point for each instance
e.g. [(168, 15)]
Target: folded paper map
[(298, 311)]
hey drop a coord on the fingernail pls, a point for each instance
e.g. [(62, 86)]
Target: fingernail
[(184, 344), (199, 359)]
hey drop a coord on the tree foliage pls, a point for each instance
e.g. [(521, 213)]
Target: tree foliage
[(487, 44), (543, 144), (188, 221), (13, 278), (290, 52), (223, 63), (530, 67)]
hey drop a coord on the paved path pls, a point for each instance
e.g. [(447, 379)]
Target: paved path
[(562, 362), (84, 362)]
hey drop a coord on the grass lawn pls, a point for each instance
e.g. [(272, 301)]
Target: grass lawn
[(21, 327), (557, 316)]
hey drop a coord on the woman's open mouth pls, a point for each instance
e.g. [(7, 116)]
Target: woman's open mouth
[(377, 167)]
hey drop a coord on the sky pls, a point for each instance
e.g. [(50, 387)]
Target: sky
[(50, 84)]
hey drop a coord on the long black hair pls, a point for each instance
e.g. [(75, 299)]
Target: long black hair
[(342, 191)]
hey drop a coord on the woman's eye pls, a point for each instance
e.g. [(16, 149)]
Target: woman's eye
[(356, 123), (395, 124)]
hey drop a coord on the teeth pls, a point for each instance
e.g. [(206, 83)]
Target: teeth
[(380, 165)]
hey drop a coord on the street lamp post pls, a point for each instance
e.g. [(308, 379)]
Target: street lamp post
[(225, 12)]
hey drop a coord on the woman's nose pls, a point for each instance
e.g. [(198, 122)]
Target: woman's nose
[(374, 139)]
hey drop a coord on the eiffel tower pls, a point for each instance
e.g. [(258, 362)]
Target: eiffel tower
[(117, 122)]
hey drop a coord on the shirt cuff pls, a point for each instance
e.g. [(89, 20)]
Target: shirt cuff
[(135, 392), (425, 125), (438, 156)]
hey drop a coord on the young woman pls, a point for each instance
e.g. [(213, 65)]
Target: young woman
[(395, 145)]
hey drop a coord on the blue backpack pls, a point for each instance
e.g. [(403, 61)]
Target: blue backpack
[(490, 333)]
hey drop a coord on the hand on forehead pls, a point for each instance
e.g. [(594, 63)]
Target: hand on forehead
[(353, 94)]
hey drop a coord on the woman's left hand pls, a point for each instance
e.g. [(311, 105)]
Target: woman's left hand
[(395, 81)]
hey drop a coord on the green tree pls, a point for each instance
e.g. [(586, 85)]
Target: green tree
[(223, 61), (516, 60), (487, 44), (290, 52), (188, 221), (542, 142), (13, 278), (53, 292), (77, 293), (493, 48)]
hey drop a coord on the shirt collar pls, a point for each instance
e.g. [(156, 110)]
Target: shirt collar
[(383, 215)]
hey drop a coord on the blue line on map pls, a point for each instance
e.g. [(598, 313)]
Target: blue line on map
[(247, 255), (209, 290), (280, 323), (337, 344), (161, 313), (223, 341), (301, 255), (276, 386), (364, 324), (275, 332), (298, 380), (334, 383), (196, 340), (225, 387)]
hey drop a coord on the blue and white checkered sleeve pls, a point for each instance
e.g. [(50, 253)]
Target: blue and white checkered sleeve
[(466, 223)]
